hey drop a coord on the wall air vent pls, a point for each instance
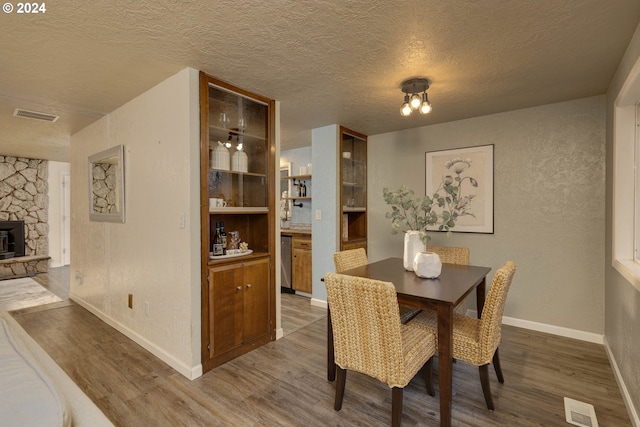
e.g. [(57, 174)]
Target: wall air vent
[(28, 114)]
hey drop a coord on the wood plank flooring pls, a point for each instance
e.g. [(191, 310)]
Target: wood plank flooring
[(284, 382)]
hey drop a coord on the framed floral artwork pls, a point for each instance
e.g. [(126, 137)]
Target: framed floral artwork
[(463, 177)]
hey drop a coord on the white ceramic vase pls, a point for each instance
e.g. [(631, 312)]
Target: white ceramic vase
[(220, 158), (239, 162), (427, 265), (412, 245)]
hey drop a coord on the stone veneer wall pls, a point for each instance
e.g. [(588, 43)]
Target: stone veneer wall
[(24, 195), (104, 188)]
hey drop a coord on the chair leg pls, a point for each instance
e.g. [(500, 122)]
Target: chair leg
[(427, 370), (496, 366), (341, 378), (396, 406), (486, 387)]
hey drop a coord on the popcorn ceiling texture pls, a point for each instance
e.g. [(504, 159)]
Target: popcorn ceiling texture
[(326, 61)]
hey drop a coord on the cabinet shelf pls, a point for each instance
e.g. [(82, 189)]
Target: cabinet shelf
[(300, 177), (233, 260), (297, 198), (239, 210), (261, 175), (225, 133)]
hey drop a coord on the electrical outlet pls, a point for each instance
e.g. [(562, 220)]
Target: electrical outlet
[(79, 278), (318, 214), (130, 300), (146, 308)]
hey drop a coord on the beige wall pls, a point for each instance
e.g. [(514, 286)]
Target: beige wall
[(622, 299), (549, 183), (149, 255)]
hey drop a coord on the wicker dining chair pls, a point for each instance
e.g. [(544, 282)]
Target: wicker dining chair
[(453, 255), (476, 341), (352, 258), (369, 338)]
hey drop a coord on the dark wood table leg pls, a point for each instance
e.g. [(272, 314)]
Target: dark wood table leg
[(445, 361), (480, 296), (331, 365)]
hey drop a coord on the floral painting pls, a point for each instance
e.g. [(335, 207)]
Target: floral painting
[(463, 177)]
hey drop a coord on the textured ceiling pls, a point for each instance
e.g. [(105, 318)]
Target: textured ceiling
[(326, 61)]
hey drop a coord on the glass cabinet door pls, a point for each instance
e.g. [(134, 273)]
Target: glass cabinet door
[(354, 173), (238, 155), (353, 192)]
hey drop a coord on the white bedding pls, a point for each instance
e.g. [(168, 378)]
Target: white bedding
[(34, 390)]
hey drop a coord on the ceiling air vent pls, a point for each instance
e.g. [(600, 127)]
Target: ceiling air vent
[(28, 114)]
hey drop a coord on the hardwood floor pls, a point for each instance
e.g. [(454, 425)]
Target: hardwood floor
[(298, 313), (284, 382)]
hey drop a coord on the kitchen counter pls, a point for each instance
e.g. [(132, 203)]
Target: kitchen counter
[(295, 231)]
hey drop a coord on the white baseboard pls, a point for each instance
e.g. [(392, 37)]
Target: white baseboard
[(549, 329), (279, 333), (191, 373), (318, 303), (626, 397)]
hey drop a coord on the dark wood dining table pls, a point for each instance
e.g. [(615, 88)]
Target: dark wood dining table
[(441, 295)]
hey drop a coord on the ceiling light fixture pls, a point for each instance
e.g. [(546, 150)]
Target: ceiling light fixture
[(412, 99)]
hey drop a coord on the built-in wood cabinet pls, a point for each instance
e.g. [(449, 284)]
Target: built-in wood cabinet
[(238, 167), (237, 295), (353, 189), (301, 277)]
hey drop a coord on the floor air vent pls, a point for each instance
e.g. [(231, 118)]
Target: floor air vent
[(27, 114), (579, 413)]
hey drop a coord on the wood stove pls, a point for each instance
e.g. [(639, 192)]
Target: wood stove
[(11, 239)]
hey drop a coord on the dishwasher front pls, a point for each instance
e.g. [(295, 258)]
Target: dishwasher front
[(285, 273)]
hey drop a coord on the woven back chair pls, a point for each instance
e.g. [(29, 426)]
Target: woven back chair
[(369, 338), (352, 258), (453, 255), (476, 341)]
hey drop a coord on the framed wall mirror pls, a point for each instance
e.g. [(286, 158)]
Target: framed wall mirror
[(106, 185)]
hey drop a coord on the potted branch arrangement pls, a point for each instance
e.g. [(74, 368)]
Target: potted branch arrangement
[(415, 216)]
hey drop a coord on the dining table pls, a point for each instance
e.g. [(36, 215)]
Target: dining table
[(441, 294)]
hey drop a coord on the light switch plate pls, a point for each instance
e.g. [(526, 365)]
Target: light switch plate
[(318, 214)]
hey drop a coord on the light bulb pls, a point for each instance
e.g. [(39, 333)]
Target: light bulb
[(405, 110), (415, 101), (425, 107)]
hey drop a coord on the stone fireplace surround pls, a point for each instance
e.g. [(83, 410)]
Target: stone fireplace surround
[(24, 195)]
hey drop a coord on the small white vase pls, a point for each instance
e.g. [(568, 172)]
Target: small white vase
[(219, 158), (427, 265), (239, 162), (412, 245)]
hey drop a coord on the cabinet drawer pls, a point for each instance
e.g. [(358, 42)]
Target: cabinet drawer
[(303, 243)]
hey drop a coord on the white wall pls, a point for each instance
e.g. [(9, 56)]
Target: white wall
[(56, 172), (149, 255), (548, 206)]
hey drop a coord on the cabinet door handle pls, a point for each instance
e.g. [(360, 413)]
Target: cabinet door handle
[(239, 288), (249, 286)]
